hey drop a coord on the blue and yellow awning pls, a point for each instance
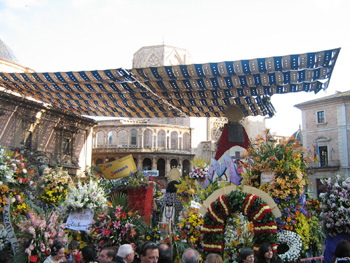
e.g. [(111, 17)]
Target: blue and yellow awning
[(200, 90)]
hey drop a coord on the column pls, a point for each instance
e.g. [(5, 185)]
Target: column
[(167, 167), (154, 163)]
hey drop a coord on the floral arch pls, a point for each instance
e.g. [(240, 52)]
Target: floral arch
[(224, 202)]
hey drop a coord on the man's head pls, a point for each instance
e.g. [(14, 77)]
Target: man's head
[(190, 256), (165, 255), (149, 253), (107, 254), (126, 252)]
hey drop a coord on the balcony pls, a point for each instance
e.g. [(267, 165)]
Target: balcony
[(134, 149)]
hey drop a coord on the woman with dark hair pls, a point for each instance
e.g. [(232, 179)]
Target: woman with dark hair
[(266, 254), (342, 252), (246, 255), (88, 254), (58, 253)]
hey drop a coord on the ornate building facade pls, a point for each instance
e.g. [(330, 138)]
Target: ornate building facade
[(59, 137)]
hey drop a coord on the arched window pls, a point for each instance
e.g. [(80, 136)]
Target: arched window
[(186, 141), (133, 141), (100, 138), (122, 139), (147, 163), (186, 167), (161, 139), (173, 163), (147, 139), (161, 167), (174, 141)]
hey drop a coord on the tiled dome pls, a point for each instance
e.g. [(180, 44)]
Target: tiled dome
[(6, 53)]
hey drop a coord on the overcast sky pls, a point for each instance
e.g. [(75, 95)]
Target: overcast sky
[(75, 35)]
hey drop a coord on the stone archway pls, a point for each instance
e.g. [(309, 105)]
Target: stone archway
[(255, 204)]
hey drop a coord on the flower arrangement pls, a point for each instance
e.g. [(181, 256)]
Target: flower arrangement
[(335, 205), (189, 228), (186, 188), (239, 234), (4, 190), (293, 241), (37, 233), (251, 206), (55, 183), (200, 169), (89, 195), (6, 173), (117, 225), (286, 160), (18, 205)]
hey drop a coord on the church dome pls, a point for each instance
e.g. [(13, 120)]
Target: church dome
[(7, 53)]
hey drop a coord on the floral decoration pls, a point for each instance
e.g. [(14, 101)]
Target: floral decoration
[(335, 205), (200, 169), (239, 234), (117, 225), (186, 188), (38, 232), (251, 206), (55, 184), (189, 228), (88, 195), (293, 242)]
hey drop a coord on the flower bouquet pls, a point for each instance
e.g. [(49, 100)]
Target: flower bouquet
[(189, 228), (4, 241), (200, 169), (37, 233), (85, 196), (335, 205), (117, 225), (55, 183)]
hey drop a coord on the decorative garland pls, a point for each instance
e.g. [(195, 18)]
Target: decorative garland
[(293, 241), (252, 206)]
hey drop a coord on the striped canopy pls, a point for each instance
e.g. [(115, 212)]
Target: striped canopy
[(200, 90)]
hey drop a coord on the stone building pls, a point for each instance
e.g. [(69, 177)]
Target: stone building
[(58, 136), (325, 133)]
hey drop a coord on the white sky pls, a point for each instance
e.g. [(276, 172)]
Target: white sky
[(75, 35)]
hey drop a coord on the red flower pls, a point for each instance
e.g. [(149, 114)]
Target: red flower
[(123, 215), (33, 258)]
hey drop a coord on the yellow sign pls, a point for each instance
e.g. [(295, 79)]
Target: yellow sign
[(118, 168)]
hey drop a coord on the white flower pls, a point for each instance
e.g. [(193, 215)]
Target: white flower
[(293, 241)]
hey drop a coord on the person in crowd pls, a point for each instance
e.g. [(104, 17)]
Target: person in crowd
[(341, 252), (213, 258), (125, 254), (190, 256), (246, 255), (74, 254), (266, 254), (88, 254), (165, 254), (107, 254), (149, 253), (58, 253)]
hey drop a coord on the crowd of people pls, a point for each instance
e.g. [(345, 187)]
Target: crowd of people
[(147, 252), (150, 252)]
